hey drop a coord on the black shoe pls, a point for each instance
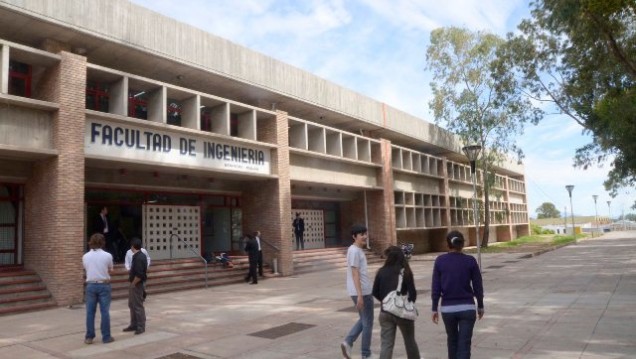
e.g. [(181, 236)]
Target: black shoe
[(129, 329), (139, 331)]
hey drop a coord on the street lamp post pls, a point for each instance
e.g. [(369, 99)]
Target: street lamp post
[(609, 210), (472, 152), (595, 212), (570, 188)]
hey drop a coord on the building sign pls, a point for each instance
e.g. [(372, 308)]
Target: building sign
[(149, 145)]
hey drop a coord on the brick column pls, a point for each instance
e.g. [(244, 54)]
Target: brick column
[(54, 194), (266, 205), (381, 204)]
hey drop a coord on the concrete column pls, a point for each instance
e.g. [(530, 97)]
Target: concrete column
[(54, 194), (4, 69)]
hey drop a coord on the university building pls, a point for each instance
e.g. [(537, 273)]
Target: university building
[(181, 133)]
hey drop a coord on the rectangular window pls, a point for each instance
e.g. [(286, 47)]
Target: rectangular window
[(138, 104), (96, 97), (19, 79)]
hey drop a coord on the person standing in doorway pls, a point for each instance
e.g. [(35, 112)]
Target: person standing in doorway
[(386, 281), (359, 287), (259, 261), (104, 226), (98, 265), (251, 247), (299, 231), (457, 281), (136, 277)]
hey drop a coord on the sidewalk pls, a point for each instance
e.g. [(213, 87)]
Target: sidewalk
[(574, 302)]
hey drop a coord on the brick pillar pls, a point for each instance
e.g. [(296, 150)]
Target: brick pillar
[(266, 205), (381, 204), (54, 194), (446, 188)]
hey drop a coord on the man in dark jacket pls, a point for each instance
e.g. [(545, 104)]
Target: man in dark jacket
[(251, 247), (136, 277)]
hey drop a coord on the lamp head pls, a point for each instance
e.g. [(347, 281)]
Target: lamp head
[(595, 196), (569, 188), (472, 152)]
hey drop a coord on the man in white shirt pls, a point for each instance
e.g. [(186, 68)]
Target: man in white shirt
[(98, 265), (359, 287)]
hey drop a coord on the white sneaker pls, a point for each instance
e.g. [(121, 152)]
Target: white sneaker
[(346, 350)]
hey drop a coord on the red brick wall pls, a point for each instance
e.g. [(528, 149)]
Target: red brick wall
[(266, 205), (54, 195)]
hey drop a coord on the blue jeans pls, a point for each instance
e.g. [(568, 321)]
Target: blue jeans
[(364, 325), (459, 332), (98, 293)]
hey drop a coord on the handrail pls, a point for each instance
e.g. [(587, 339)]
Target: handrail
[(193, 251), (269, 244)]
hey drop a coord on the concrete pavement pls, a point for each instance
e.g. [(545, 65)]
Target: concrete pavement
[(578, 301)]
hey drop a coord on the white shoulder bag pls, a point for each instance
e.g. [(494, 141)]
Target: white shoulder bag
[(398, 304)]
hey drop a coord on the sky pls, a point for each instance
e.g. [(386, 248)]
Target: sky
[(378, 48)]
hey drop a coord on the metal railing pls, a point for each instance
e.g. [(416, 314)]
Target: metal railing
[(193, 251)]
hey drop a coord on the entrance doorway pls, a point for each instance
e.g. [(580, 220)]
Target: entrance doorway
[(172, 232), (11, 200), (214, 227)]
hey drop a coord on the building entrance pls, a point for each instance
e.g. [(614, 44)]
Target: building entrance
[(172, 232), (11, 199), (171, 225)]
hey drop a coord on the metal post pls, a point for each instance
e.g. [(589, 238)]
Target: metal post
[(595, 213), (570, 188), (472, 152), (475, 220)]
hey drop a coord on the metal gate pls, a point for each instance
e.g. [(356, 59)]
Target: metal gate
[(172, 231), (314, 235)]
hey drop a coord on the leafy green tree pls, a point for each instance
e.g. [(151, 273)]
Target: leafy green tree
[(476, 100), (580, 55), (547, 210)]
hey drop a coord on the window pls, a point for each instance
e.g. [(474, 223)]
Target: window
[(174, 113), (234, 124), (96, 97), (137, 104), (19, 79)]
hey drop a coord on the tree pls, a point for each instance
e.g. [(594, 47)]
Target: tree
[(547, 210), (580, 55), (477, 101)]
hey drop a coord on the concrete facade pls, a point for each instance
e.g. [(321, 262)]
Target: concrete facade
[(126, 102)]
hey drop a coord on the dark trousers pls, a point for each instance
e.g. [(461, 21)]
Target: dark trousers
[(300, 241), (388, 324), (136, 306), (251, 274), (459, 332), (259, 263)]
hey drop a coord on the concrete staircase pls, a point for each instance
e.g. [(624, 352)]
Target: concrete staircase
[(181, 274), (316, 260), (22, 290)]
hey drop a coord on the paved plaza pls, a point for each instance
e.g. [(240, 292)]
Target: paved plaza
[(578, 301)]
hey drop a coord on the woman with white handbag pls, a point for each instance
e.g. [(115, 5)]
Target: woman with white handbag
[(394, 286)]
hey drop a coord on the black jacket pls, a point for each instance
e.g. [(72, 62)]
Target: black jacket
[(386, 280), (138, 267)]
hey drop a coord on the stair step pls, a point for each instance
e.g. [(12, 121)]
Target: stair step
[(29, 307)]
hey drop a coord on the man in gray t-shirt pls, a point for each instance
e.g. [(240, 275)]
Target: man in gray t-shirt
[(359, 288)]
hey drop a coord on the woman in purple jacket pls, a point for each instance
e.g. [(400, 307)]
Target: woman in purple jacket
[(457, 281)]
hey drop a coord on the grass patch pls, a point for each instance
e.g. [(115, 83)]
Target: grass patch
[(533, 241)]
